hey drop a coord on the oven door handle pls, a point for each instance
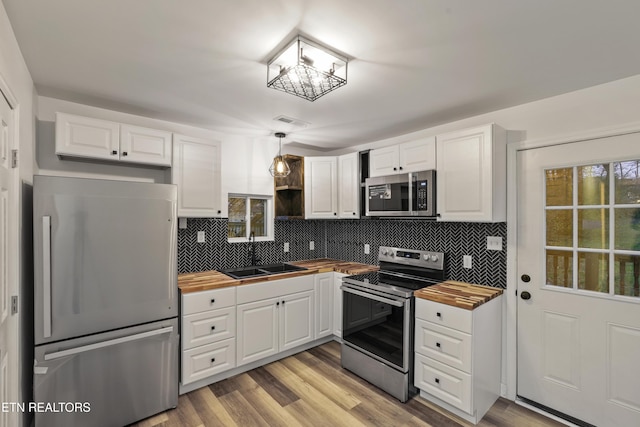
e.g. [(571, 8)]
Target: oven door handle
[(373, 297)]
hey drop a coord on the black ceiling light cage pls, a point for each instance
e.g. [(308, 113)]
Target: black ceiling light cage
[(306, 69)]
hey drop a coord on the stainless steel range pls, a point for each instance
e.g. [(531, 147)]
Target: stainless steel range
[(378, 317)]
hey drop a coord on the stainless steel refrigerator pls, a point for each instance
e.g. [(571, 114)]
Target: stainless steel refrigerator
[(105, 301)]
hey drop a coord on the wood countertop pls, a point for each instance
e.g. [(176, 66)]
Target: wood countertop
[(207, 280), (459, 294)]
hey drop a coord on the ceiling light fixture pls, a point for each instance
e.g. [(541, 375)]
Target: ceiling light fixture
[(279, 168), (306, 69)]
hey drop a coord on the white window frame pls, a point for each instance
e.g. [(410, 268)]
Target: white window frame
[(269, 218)]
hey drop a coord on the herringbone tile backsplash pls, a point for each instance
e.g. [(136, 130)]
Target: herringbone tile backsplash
[(345, 239)]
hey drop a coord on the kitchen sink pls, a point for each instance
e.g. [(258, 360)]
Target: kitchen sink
[(242, 273), (280, 268), (261, 270)]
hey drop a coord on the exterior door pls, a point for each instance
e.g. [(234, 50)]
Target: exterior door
[(8, 271), (578, 272)]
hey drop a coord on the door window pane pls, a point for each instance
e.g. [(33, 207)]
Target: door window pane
[(559, 268), (259, 217), (559, 187), (627, 269), (560, 227), (593, 185), (593, 228), (237, 225), (593, 271), (627, 230), (627, 182)]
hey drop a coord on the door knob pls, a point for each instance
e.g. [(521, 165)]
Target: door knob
[(525, 295), (525, 278)]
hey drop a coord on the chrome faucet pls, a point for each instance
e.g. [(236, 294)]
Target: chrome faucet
[(253, 259)]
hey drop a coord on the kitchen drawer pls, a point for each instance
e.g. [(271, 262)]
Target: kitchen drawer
[(207, 360), (208, 300), (444, 315), (208, 327), (443, 382), (446, 345)]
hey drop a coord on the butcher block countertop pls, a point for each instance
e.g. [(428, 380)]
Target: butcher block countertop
[(207, 280), (459, 294)]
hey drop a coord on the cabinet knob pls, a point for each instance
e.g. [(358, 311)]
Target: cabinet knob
[(437, 380), (353, 213), (213, 359), (124, 153), (282, 302), (335, 213), (213, 300), (114, 152), (438, 344), (213, 328), (400, 167), (439, 315), (219, 211), (278, 304), (395, 169)]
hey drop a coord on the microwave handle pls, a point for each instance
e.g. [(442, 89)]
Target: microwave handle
[(412, 188)]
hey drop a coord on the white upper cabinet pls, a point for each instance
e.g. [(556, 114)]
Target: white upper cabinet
[(197, 173), (348, 186), (320, 187), (412, 156), (144, 145), (471, 175), (87, 137), (78, 136)]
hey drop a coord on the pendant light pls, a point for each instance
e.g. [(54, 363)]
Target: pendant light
[(279, 168)]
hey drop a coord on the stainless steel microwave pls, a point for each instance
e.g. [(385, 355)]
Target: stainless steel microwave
[(408, 194)]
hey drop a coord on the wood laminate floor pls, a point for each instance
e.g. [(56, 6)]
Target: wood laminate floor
[(312, 389)]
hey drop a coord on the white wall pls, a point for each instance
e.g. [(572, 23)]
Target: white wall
[(611, 104), (14, 72)]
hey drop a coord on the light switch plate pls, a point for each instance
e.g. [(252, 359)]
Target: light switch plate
[(367, 248), (182, 223), (201, 237), (312, 245), (286, 246), (467, 261), (494, 243)]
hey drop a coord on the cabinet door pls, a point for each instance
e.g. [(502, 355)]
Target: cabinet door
[(419, 155), (87, 137), (467, 174), (337, 304), (348, 186), (296, 320), (320, 187), (257, 335), (384, 161), (144, 145), (196, 172), (324, 304)]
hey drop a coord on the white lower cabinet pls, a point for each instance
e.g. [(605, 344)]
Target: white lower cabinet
[(208, 333), (337, 304), (458, 356), (324, 293), (274, 316)]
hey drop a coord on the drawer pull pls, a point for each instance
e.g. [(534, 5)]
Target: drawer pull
[(437, 380), (213, 328), (213, 359), (438, 344), (213, 300), (438, 314)]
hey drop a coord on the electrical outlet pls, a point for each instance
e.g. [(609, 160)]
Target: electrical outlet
[(367, 248), (182, 223), (467, 261), (494, 243), (286, 246), (312, 245), (201, 237)]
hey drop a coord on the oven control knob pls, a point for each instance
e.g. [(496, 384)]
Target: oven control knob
[(434, 258), (383, 251)]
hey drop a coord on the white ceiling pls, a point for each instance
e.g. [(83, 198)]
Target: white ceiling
[(416, 63)]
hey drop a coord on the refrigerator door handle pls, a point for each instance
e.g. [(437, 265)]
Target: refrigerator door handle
[(46, 274), (108, 343)]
